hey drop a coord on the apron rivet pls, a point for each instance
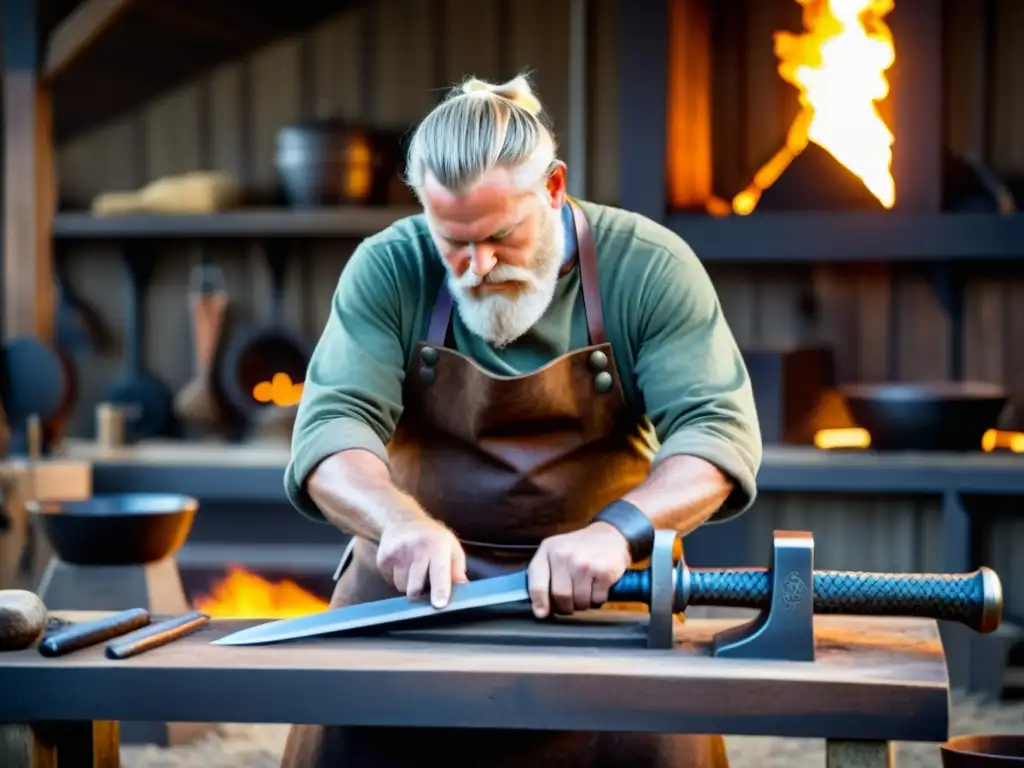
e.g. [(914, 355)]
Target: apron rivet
[(603, 382), (427, 375), (598, 360), (428, 355)]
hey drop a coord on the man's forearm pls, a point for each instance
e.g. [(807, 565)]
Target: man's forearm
[(681, 493), (354, 491)]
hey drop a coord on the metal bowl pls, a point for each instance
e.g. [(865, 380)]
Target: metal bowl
[(978, 751), (117, 529), (926, 416)]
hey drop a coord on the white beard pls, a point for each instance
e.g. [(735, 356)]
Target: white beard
[(502, 318)]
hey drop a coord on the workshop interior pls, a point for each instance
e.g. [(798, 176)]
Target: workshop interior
[(186, 181)]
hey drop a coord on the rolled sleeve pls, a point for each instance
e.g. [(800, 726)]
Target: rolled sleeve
[(692, 377), (352, 395), (319, 442), (727, 454)]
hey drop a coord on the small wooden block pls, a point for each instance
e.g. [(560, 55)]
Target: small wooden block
[(858, 754), (49, 479)]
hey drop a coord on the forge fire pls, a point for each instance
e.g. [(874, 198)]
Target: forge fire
[(242, 594), (839, 66)]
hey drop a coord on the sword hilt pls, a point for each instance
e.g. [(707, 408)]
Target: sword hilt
[(974, 599)]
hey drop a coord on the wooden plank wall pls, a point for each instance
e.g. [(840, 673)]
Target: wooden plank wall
[(389, 62), (384, 62)]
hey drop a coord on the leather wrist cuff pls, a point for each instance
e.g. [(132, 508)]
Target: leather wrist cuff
[(633, 524)]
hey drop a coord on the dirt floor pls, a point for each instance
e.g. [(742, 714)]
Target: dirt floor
[(260, 746)]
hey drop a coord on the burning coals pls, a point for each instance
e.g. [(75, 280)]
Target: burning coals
[(261, 746)]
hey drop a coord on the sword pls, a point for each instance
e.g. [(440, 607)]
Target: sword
[(974, 599)]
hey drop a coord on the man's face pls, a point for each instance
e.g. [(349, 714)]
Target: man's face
[(502, 248)]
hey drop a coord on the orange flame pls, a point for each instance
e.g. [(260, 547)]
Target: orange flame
[(856, 437), (279, 390), (244, 595), (839, 66), (842, 437), (1007, 440)]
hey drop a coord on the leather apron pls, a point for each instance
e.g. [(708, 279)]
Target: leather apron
[(504, 462)]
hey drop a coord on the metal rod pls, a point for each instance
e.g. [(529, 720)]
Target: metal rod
[(576, 130)]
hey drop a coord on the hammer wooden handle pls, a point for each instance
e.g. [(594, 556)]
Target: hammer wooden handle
[(88, 633), (155, 635)]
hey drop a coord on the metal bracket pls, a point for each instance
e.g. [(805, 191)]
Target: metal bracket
[(785, 631), (663, 591)]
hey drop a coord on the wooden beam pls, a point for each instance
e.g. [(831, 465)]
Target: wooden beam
[(643, 106), (577, 75), (78, 31), (917, 114), (29, 181), (688, 141)]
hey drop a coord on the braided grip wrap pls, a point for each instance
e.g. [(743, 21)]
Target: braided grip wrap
[(943, 597), (634, 587)]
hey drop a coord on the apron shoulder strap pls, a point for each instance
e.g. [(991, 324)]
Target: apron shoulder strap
[(587, 253), (441, 315)]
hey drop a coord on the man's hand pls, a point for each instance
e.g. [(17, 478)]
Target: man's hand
[(576, 570), (411, 551)]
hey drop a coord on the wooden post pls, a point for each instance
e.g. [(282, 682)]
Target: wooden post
[(643, 106), (29, 181), (577, 123), (688, 140), (917, 105)]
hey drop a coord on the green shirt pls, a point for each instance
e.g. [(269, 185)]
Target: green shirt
[(680, 367)]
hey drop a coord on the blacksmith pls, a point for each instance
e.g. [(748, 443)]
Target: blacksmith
[(515, 378)]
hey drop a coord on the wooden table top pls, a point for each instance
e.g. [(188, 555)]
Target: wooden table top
[(874, 678)]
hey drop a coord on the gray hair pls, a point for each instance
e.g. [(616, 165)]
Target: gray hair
[(481, 126)]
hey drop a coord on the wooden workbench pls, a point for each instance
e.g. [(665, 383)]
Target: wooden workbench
[(875, 681)]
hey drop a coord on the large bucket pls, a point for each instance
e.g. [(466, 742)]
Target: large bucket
[(978, 751)]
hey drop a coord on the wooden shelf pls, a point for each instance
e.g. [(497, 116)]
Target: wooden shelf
[(253, 472), (805, 237), (241, 224), (853, 237)]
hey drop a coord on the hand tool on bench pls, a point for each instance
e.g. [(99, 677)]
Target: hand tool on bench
[(22, 619), (155, 635), (78, 636), (788, 594)]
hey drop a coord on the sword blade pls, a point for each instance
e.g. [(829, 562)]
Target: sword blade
[(500, 590)]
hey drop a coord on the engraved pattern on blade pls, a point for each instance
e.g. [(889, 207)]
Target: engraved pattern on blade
[(794, 591)]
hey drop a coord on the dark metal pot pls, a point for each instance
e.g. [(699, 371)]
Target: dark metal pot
[(116, 529), (255, 354), (978, 751), (33, 382), (926, 416), (330, 162)]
